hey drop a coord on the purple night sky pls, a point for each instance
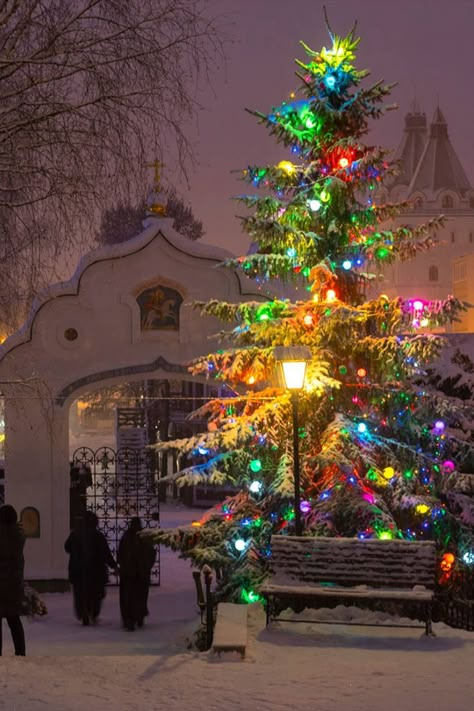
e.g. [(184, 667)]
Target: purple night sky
[(424, 45)]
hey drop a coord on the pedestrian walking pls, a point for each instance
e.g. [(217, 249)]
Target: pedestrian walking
[(12, 565), (89, 558), (136, 556)]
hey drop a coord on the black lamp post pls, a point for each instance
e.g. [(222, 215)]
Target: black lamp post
[(294, 360)]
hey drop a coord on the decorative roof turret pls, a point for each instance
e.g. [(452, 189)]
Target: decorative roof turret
[(439, 167), (411, 147)]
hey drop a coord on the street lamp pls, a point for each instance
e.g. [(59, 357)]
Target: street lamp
[(294, 360)]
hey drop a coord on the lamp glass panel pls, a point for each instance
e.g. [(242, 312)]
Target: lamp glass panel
[(294, 372)]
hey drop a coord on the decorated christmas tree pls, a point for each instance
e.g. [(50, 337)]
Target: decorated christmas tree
[(379, 451)]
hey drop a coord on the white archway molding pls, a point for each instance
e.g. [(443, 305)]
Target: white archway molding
[(87, 333), (158, 369)]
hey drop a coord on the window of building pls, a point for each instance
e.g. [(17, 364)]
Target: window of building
[(447, 201), (459, 273), (433, 273), (418, 203), (453, 237)]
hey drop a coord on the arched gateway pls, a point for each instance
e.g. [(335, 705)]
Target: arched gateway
[(124, 315)]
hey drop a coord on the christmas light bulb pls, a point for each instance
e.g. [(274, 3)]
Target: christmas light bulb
[(468, 557), (251, 380), (240, 544), (343, 163), (347, 264), (439, 426), (422, 509), (287, 167), (291, 252), (314, 205), (255, 487), (255, 465), (305, 507), (331, 295), (388, 473), (325, 196), (361, 372), (362, 428), (418, 305), (308, 320)]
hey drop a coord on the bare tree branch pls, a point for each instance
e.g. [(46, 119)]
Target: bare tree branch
[(90, 91)]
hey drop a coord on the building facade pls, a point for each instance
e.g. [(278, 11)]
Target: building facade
[(433, 179)]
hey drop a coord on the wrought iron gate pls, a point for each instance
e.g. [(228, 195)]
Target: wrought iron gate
[(118, 485)]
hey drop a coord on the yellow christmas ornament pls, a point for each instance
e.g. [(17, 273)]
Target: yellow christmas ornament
[(388, 473), (422, 509), (287, 167)]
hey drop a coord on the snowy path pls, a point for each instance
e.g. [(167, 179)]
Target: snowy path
[(288, 667), (173, 614)]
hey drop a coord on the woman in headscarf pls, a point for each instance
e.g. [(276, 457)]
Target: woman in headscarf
[(136, 556), (89, 557), (12, 565)]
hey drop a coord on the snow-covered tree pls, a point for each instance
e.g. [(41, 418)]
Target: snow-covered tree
[(125, 221), (379, 452)]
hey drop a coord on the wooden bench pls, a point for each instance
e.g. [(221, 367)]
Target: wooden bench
[(230, 631), (323, 572)]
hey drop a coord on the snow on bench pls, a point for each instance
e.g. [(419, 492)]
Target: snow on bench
[(308, 570), (230, 631)]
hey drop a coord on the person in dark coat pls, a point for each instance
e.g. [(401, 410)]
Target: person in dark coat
[(89, 557), (136, 556), (12, 565)]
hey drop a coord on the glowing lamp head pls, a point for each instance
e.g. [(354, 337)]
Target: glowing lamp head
[(293, 361), (240, 545), (294, 372), (305, 507)]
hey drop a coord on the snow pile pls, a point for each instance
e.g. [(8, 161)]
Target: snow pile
[(322, 667)]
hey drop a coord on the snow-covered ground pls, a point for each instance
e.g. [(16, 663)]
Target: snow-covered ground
[(288, 666)]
